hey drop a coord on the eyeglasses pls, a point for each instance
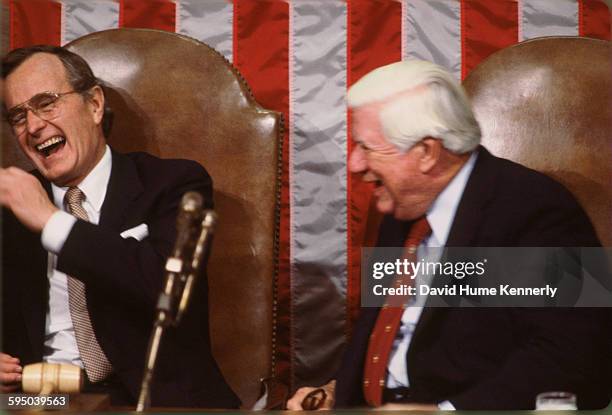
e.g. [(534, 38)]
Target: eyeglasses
[(45, 105)]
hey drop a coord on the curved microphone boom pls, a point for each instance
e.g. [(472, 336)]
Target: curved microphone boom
[(200, 257)]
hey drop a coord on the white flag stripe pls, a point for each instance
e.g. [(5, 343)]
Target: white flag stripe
[(433, 33), (548, 18), (209, 21), (318, 140), (404, 29), (519, 10), (82, 17), (318, 178)]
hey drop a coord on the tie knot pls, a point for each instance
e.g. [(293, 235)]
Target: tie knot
[(74, 203), (74, 195), (420, 230)]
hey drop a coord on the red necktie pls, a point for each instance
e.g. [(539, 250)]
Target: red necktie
[(387, 324)]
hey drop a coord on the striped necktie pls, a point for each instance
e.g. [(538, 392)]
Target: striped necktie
[(96, 363)]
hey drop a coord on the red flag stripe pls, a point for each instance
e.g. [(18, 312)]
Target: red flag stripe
[(486, 27), (594, 19), (374, 39), (34, 23), (261, 54), (148, 14)]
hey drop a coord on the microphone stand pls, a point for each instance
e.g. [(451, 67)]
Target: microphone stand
[(163, 320), (178, 287)]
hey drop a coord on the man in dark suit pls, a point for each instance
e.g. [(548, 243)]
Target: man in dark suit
[(418, 141), (85, 238)]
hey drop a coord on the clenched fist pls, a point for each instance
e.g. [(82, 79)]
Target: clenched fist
[(23, 194)]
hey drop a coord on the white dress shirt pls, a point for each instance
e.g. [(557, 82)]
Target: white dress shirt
[(60, 340), (440, 217)]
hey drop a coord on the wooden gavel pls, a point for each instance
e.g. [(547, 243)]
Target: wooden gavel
[(46, 378)]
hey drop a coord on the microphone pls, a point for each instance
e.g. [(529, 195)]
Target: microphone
[(199, 258), (189, 211), (179, 280)]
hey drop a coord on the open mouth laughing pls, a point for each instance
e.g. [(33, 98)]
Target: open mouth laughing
[(51, 145)]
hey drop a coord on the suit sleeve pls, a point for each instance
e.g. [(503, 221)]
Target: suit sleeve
[(127, 269), (562, 349), (349, 376)]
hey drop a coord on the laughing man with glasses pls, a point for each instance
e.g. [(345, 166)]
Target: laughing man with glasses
[(86, 234)]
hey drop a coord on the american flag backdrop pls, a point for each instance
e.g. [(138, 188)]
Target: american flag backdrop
[(299, 57)]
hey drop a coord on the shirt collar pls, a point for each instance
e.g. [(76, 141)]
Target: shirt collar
[(442, 211), (93, 186)]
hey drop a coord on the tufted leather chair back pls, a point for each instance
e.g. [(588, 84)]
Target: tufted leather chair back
[(547, 104), (175, 97)]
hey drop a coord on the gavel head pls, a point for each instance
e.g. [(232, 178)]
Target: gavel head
[(45, 378)]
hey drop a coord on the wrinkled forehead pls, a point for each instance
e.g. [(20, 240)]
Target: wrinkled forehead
[(366, 127), (41, 72), (365, 116)]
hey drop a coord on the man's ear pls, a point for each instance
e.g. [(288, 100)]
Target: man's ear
[(96, 101), (431, 150)]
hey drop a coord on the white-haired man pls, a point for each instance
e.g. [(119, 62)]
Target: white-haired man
[(418, 141)]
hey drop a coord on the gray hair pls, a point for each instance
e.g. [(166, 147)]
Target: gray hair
[(419, 99)]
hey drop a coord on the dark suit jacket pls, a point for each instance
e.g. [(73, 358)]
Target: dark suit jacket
[(123, 278), (486, 358)]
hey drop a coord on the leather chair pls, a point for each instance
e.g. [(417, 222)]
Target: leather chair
[(175, 97), (546, 104)]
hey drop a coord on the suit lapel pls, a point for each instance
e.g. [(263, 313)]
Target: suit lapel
[(124, 187), (479, 190)]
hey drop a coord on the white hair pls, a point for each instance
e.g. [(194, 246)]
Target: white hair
[(440, 110)]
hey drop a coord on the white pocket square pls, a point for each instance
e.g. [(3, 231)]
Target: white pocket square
[(137, 232)]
